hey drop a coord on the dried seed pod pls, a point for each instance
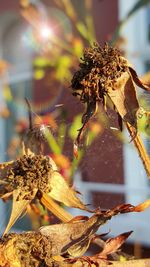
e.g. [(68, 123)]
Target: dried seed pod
[(26, 249), (35, 176), (104, 72)]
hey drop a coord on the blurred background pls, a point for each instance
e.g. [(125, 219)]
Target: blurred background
[(41, 43)]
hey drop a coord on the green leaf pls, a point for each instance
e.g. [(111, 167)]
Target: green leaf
[(63, 68), (78, 48), (52, 142), (61, 135), (136, 7), (41, 62), (90, 27), (76, 125), (82, 29)]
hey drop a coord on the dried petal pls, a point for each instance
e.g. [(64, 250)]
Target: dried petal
[(113, 244), (74, 237), (6, 196), (125, 208), (61, 192), (138, 81), (19, 206), (142, 206), (123, 95), (57, 210)]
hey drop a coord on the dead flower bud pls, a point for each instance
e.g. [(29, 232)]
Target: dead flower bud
[(35, 177), (105, 73)]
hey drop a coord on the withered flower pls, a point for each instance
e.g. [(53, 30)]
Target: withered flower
[(35, 176), (105, 73), (63, 244)]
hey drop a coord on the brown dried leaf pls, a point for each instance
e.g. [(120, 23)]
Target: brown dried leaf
[(138, 81), (18, 207), (113, 244), (125, 208), (142, 206), (123, 95), (72, 237), (61, 192)]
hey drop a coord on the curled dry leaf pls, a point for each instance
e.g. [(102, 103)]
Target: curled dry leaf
[(113, 244), (105, 73), (76, 235)]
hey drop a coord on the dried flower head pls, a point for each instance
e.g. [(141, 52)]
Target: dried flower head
[(28, 172), (35, 176), (99, 69), (102, 73), (26, 249)]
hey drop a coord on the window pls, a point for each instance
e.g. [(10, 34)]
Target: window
[(19, 78)]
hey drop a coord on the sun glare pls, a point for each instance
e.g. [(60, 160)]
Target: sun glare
[(46, 32)]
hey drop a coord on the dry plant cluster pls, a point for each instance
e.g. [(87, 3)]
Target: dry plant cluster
[(103, 73)]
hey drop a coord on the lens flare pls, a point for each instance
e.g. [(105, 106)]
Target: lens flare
[(46, 32)]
